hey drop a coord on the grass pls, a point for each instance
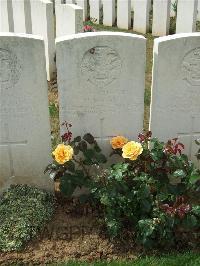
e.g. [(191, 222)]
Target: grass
[(186, 259)]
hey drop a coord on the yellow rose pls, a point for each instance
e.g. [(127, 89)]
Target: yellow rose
[(63, 153), (118, 142), (132, 150)]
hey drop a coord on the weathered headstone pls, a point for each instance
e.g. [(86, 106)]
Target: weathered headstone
[(101, 84), (175, 107), (186, 16), (198, 10), (69, 19), (43, 25), (161, 17), (83, 4), (141, 15), (108, 12), (124, 14), (22, 16), (95, 10), (6, 16), (25, 143)]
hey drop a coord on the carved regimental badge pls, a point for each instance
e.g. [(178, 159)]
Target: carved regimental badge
[(191, 67), (10, 69), (101, 65)]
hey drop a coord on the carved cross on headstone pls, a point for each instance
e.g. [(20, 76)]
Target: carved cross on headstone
[(101, 138), (192, 135), (9, 143)]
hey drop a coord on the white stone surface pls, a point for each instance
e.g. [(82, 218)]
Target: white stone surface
[(25, 144), (186, 16), (43, 25), (109, 14), (95, 10), (124, 14), (101, 84), (5, 16), (83, 4), (141, 15), (175, 107), (22, 16), (69, 19), (132, 5), (198, 15), (161, 17)]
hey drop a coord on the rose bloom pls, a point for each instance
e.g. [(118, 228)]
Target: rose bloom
[(118, 142), (132, 150), (63, 153)]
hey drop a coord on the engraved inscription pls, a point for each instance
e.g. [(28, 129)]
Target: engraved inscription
[(191, 67), (10, 69), (101, 65)]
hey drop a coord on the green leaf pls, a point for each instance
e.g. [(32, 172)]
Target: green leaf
[(190, 221), (195, 176), (196, 210), (70, 166), (101, 158), (89, 138), (179, 173), (82, 146), (89, 154), (67, 187), (77, 139), (76, 150), (96, 147)]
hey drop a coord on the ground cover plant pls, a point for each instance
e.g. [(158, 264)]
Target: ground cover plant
[(24, 212)]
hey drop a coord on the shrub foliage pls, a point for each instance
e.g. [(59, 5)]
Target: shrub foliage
[(24, 211)]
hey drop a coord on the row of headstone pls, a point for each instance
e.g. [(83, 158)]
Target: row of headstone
[(74, 22), (101, 82), (33, 17), (186, 11), (37, 17)]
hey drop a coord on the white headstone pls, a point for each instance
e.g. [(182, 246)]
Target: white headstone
[(198, 14), (124, 14), (161, 17), (69, 19), (6, 16), (175, 107), (141, 15), (43, 25), (132, 5), (25, 143), (83, 4), (95, 10), (101, 84), (186, 16), (22, 16), (109, 12)]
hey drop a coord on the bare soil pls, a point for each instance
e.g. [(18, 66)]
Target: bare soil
[(71, 235)]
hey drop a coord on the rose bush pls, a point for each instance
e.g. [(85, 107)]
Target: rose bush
[(152, 194), (149, 193), (73, 160)]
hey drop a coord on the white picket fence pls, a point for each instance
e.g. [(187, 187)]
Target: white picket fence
[(37, 17)]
